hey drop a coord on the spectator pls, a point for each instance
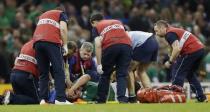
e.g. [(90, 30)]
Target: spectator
[(197, 32), (83, 19), (138, 21), (49, 4), (10, 9), (165, 14), (4, 21)]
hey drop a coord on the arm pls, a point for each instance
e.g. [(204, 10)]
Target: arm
[(68, 70), (172, 39), (98, 49), (67, 76), (64, 31), (98, 52), (175, 51)]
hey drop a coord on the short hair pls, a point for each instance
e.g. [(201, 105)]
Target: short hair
[(87, 46), (72, 45), (162, 23), (96, 17)]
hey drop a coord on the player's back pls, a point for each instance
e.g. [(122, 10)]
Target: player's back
[(138, 37)]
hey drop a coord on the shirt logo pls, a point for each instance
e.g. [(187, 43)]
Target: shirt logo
[(111, 27), (26, 58), (49, 21), (184, 38)]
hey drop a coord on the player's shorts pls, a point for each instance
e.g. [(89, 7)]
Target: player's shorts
[(147, 52)]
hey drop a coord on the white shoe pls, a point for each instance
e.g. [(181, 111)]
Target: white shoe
[(6, 98), (43, 102), (63, 103)]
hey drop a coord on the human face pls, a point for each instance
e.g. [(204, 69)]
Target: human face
[(160, 31), (85, 55), (94, 23)]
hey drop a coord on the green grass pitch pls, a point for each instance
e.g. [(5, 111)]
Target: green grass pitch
[(187, 107)]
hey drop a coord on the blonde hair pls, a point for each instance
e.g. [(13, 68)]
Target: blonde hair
[(87, 46), (162, 23)]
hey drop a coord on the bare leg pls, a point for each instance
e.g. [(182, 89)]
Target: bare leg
[(141, 72), (131, 85), (131, 82)]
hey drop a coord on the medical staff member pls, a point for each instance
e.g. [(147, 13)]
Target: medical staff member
[(113, 48), (187, 53), (50, 36)]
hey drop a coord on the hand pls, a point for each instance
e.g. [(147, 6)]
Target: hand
[(167, 64), (70, 93), (73, 94), (99, 69), (65, 48), (68, 83), (176, 46)]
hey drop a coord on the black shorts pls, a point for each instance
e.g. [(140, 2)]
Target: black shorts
[(147, 52)]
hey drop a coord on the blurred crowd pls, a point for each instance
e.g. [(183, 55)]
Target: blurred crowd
[(18, 20)]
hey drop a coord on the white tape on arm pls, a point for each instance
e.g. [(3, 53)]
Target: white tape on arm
[(184, 38)]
